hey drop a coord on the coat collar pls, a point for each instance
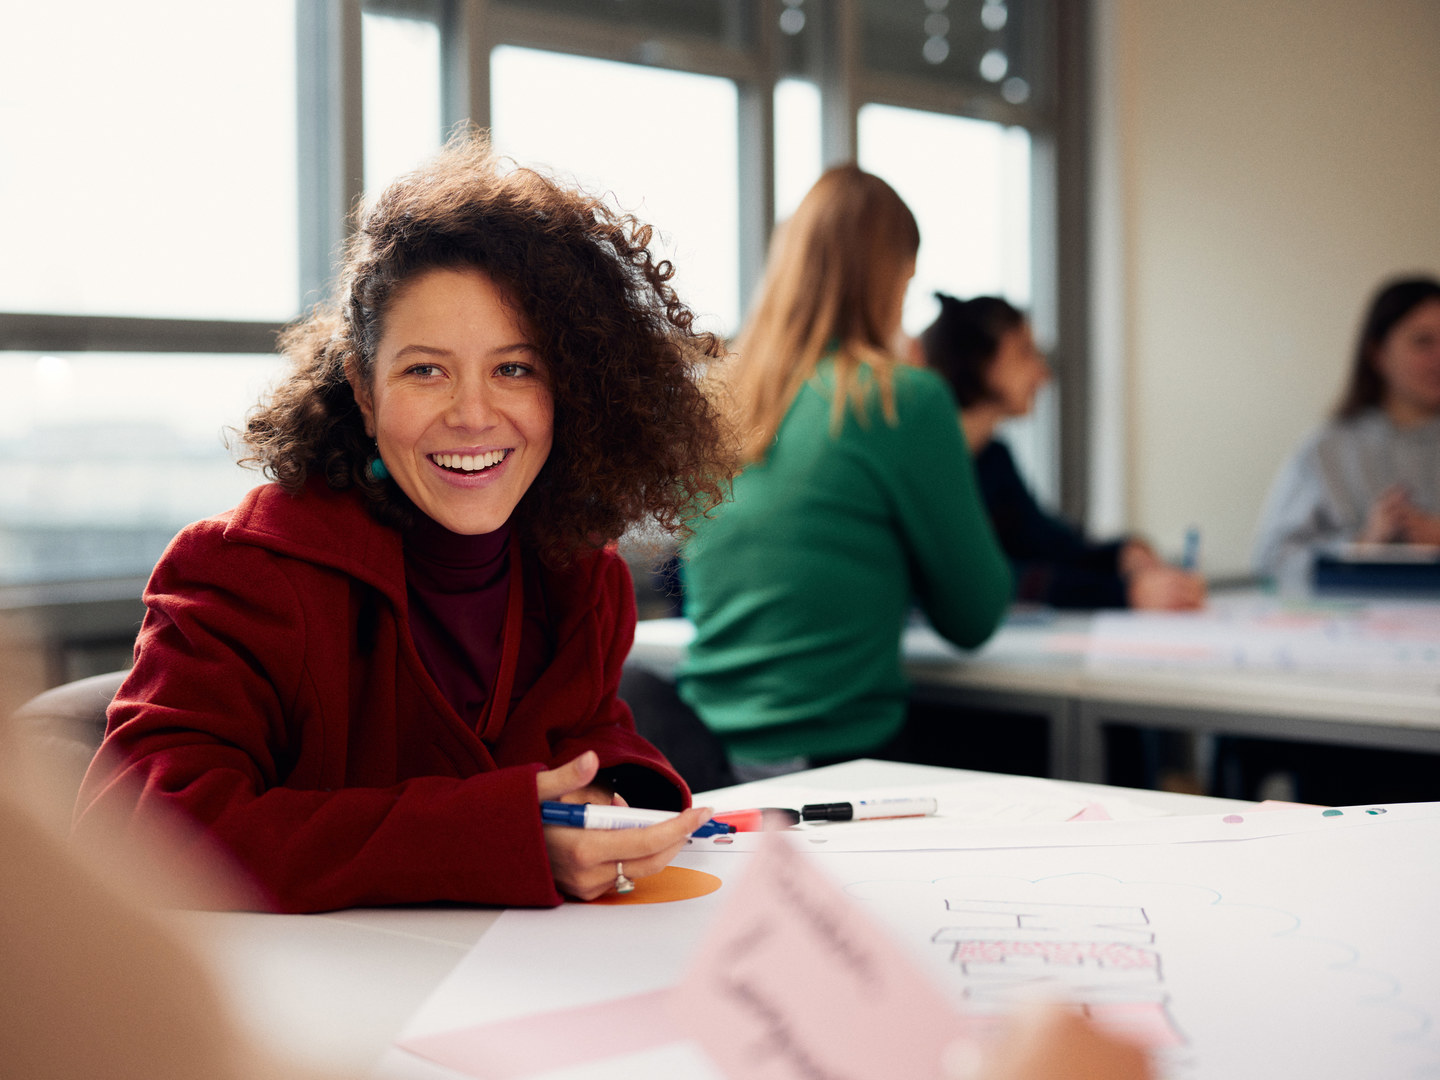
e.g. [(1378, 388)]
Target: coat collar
[(322, 526)]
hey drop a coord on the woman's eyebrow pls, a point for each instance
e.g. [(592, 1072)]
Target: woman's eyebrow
[(436, 350), (424, 350)]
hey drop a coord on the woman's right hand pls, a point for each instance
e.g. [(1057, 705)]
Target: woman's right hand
[(584, 862), (1165, 588)]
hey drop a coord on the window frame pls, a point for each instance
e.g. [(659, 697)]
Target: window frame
[(330, 131)]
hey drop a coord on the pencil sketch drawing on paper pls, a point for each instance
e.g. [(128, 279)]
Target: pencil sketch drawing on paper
[(1105, 955)]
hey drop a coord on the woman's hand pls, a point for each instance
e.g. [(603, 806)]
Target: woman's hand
[(1386, 522), (584, 861), (1418, 527), (1135, 556), (1164, 588), (1054, 1043)]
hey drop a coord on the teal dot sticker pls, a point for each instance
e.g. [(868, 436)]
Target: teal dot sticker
[(1332, 813)]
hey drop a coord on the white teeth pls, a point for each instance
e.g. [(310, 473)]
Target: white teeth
[(469, 462)]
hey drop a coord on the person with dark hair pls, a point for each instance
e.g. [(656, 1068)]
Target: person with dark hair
[(856, 500), (986, 351), (363, 680), (1372, 474)]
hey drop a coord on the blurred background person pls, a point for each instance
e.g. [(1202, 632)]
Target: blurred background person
[(985, 349), (1372, 473), (857, 499)]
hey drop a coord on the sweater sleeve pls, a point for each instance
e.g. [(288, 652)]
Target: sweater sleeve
[(962, 579), (227, 719), (1297, 513), (1054, 563)]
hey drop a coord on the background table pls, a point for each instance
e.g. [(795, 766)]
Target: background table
[(1036, 664)]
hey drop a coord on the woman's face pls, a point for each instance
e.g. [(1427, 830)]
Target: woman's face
[(459, 402), (1017, 373), (1408, 361)]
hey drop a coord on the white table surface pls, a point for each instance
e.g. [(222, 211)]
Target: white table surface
[(334, 990)]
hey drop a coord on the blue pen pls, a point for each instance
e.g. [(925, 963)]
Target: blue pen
[(1191, 559), (596, 816)]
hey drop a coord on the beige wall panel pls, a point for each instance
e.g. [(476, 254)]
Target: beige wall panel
[(1274, 162)]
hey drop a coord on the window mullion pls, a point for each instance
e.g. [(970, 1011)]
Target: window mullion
[(757, 156), (465, 46), (119, 334), (331, 134), (839, 100)]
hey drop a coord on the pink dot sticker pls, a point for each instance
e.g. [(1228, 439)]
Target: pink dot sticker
[(1232, 819)]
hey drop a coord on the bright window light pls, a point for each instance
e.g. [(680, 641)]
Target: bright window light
[(661, 144), (797, 143), (401, 62), (148, 159), (968, 183), (103, 456)]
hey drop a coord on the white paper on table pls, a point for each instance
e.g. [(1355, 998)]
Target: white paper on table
[(1303, 952), (841, 837), (1007, 800)]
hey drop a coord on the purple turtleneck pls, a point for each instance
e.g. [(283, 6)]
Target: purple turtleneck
[(458, 588)]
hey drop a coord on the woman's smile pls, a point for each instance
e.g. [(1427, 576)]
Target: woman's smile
[(470, 464)]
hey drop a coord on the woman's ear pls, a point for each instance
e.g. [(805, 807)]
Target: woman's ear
[(363, 398)]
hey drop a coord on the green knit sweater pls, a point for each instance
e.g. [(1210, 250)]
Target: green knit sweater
[(800, 586)]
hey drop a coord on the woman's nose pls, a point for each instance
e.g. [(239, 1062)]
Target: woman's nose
[(470, 407)]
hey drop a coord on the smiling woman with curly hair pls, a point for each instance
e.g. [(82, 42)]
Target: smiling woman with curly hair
[(363, 680)]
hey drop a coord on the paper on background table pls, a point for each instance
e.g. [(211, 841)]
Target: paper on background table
[(1393, 638), (1308, 953)]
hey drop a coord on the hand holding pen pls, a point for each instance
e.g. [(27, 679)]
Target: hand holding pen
[(589, 862)]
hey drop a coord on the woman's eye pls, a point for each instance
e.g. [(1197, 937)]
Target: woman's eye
[(513, 370), (423, 371)]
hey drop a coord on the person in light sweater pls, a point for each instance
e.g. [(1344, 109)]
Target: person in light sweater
[(1371, 474)]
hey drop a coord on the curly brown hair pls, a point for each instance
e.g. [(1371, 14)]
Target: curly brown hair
[(636, 435)]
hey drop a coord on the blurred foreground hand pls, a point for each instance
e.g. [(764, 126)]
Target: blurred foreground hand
[(1052, 1043)]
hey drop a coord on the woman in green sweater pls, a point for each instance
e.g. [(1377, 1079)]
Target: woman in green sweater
[(858, 499)]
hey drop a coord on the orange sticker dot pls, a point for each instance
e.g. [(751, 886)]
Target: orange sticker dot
[(672, 883)]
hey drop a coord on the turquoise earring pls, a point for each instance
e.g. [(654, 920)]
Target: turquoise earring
[(376, 468)]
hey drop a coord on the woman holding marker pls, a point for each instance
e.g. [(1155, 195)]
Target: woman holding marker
[(363, 681), (857, 499), (985, 349), (1372, 474)]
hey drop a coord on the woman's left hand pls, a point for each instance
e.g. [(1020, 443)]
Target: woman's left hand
[(586, 862), (1418, 527)]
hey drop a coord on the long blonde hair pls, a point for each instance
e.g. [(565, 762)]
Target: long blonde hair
[(834, 279)]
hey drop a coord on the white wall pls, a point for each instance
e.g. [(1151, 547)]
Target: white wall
[(1261, 167)]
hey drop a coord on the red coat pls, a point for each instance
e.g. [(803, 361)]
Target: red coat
[(277, 698)]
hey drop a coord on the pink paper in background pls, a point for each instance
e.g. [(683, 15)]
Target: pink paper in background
[(795, 982)]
